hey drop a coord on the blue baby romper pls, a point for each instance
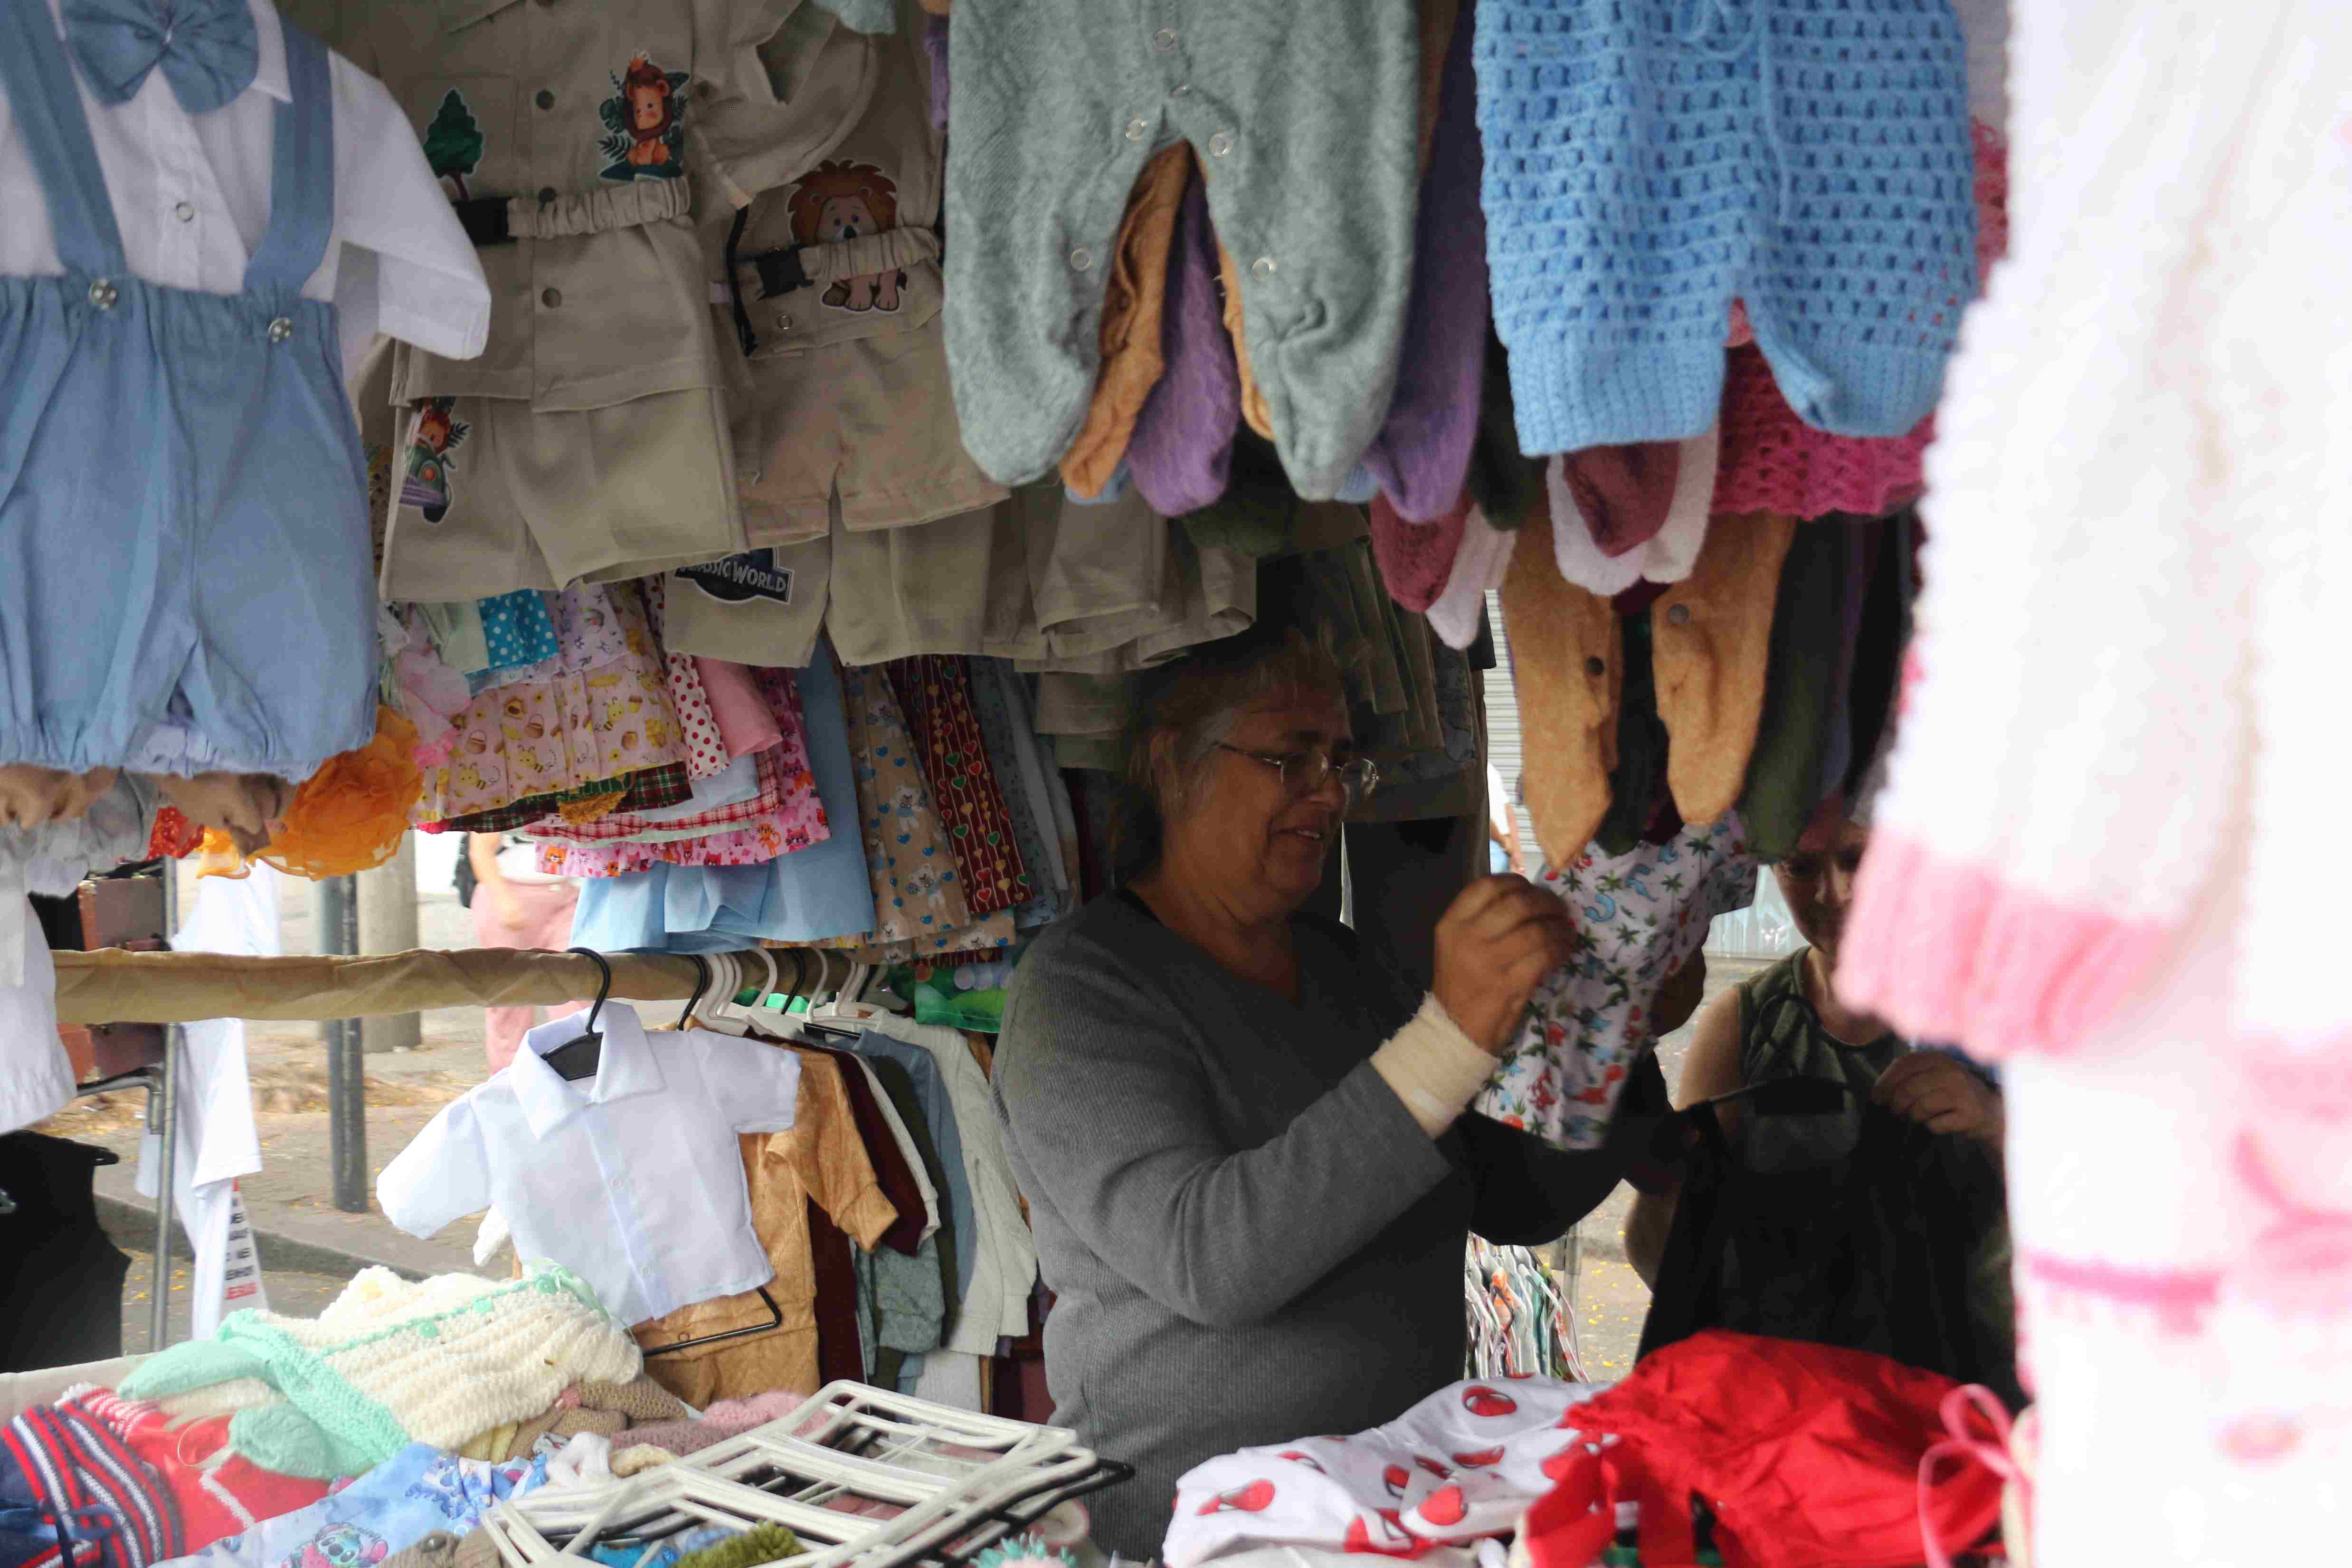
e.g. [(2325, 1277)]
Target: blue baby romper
[(1649, 160), (184, 571)]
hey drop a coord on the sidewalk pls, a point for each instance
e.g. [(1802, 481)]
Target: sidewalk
[(290, 1200)]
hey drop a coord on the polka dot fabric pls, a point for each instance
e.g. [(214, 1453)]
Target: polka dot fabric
[(705, 751), (516, 630), (1648, 161)]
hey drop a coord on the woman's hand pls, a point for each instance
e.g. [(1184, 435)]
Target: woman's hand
[(1502, 935), (1936, 1091)]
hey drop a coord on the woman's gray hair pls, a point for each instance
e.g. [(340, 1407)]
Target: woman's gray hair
[(1196, 702)]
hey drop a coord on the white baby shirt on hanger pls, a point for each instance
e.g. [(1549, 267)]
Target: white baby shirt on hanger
[(632, 1179)]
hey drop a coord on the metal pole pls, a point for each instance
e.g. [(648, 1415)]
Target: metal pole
[(162, 1115), (339, 908)]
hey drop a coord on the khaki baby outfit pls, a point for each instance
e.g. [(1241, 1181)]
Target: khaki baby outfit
[(590, 439), (829, 287)]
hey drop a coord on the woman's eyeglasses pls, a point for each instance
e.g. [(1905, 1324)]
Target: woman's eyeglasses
[(1303, 772)]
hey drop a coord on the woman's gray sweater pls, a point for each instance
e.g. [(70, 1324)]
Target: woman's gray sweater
[(1249, 1236)]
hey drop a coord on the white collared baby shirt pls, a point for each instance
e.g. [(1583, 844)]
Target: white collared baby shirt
[(632, 1179)]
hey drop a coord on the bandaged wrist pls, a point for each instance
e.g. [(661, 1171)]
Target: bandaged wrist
[(1434, 1067)]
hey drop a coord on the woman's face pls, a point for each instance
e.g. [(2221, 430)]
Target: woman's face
[(1817, 879), (1241, 834)]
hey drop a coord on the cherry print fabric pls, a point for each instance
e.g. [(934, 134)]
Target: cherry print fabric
[(1464, 1462), (935, 694)]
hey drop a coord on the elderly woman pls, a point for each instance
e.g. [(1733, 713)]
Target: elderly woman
[(1243, 1146)]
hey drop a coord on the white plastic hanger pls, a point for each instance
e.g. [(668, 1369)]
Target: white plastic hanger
[(947, 1469)]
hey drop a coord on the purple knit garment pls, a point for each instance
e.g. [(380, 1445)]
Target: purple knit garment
[(1416, 559), (1423, 453), (1181, 452), (935, 47)]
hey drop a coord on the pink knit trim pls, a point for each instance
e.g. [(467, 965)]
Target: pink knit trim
[(1773, 461), (1947, 952)]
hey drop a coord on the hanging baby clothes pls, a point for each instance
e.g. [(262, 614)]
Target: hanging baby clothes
[(1312, 188), (215, 356), (1180, 451), (1422, 457), (590, 439), (1639, 917), (817, 892), (917, 885), (2095, 852), (818, 1160), (666, 1223), (571, 726), (936, 696), (1826, 223), (832, 271)]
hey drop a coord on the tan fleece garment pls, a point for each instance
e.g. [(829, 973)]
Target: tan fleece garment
[(1567, 668), (1709, 639), (1129, 334)]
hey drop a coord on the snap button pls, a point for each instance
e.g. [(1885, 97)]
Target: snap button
[(1220, 144), (546, 99), (282, 329), (1678, 616), (784, 320), (1164, 40), (1595, 668), (1136, 127), (185, 212), (1082, 258), (439, 1541), (1182, 89), (551, 298), (546, 194), (1261, 268), (103, 294)]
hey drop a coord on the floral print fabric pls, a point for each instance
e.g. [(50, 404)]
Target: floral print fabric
[(936, 696), (918, 883), (1639, 917)]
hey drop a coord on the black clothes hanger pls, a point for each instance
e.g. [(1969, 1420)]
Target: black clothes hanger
[(581, 1056), (701, 984)]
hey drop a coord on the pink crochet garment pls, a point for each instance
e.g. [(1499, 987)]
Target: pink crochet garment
[(1774, 461)]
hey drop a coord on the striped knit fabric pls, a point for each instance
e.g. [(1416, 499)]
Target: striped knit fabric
[(92, 1491)]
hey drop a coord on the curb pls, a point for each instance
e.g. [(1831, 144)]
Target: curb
[(131, 1225)]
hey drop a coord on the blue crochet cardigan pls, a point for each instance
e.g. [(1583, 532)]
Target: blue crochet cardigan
[(1649, 160)]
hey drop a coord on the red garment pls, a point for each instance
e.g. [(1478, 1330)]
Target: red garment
[(218, 1494), (934, 692), (891, 1172), (1416, 559), (1809, 1454), (173, 836), (1623, 493)]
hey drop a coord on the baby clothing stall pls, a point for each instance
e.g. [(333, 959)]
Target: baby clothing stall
[(754, 455)]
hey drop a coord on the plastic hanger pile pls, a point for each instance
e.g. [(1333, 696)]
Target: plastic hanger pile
[(861, 1476)]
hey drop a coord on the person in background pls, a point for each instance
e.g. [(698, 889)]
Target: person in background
[(1245, 1143), (1503, 852), (517, 905), (1788, 1022)]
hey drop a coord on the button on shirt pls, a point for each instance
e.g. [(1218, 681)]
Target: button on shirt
[(191, 196), (632, 1179)]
